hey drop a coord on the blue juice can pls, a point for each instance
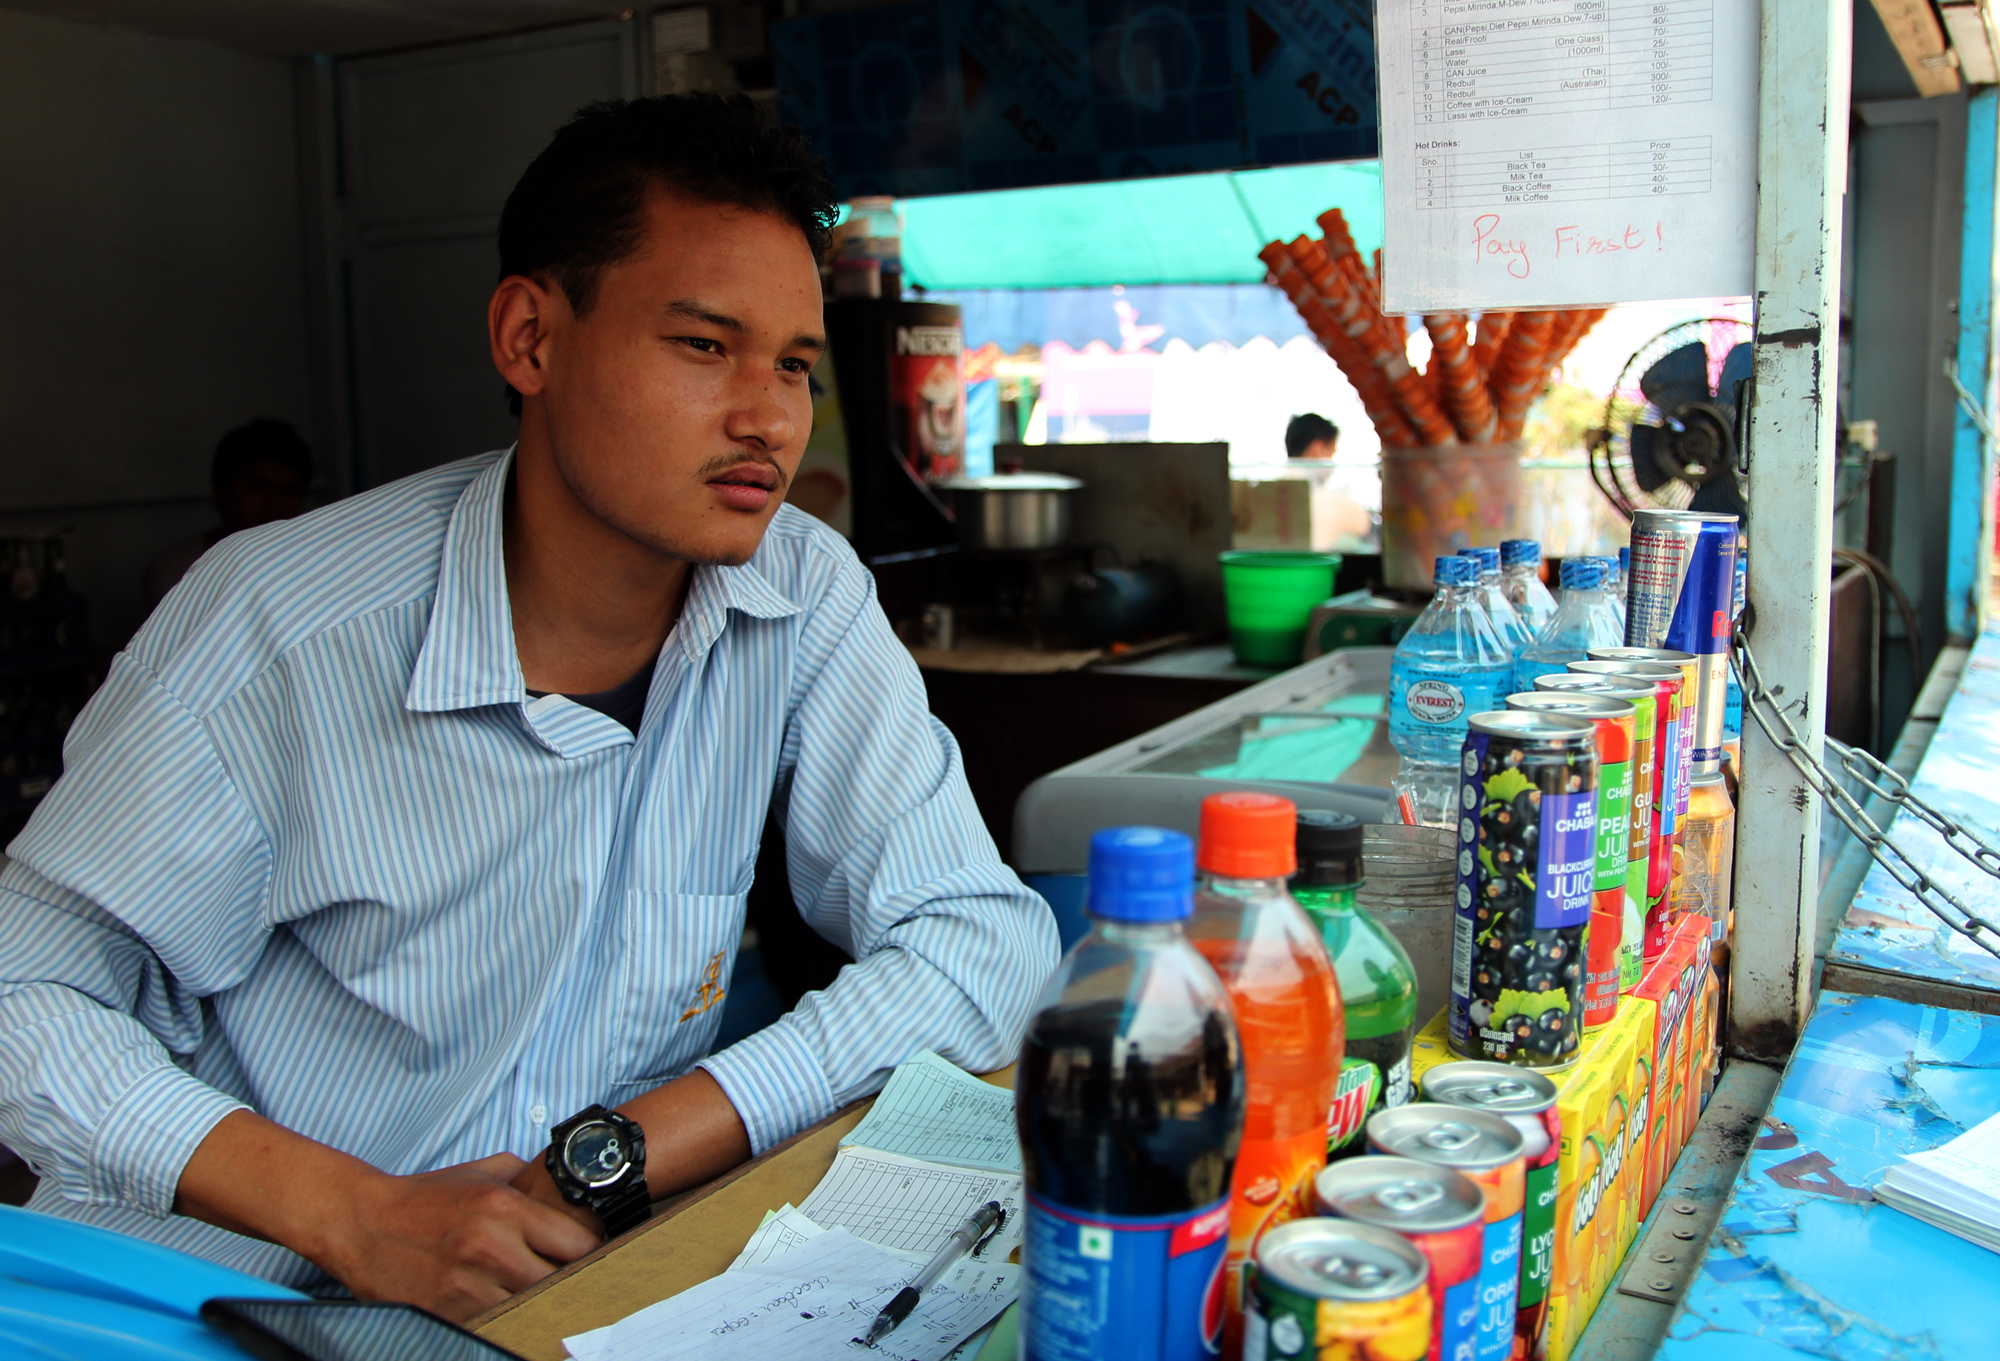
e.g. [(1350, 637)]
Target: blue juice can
[(1492, 1154), (1682, 595)]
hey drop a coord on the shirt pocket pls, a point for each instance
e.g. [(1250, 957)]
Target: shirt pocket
[(676, 954)]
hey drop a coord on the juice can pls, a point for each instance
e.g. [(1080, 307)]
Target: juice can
[(1615, 719), (1690, 667), (1682, 595), (1645, 833), (1330, 1287), (1527, 847), (1527, 1101), (1441, 1211), (1669, 689), (1492, 1154)]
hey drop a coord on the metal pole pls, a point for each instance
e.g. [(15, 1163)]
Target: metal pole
[(1968, 557), (1801, 174)]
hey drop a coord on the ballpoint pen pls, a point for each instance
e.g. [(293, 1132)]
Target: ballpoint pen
[(984, 1221)]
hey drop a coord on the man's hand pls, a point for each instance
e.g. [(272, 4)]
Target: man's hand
[(455, 1241)]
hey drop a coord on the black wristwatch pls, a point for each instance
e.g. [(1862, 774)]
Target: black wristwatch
[(598, 1160)]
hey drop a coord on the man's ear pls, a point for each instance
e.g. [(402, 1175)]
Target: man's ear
[(517, 331)]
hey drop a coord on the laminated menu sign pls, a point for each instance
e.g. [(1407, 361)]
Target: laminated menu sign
[(1553, 153)]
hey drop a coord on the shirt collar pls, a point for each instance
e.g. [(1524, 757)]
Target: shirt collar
[(468, 658)]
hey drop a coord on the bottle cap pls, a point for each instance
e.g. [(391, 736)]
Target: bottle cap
[(1329, 845), (1582, 574), (1456, 571), (1248, 836), (1141, 874), (1625, 559), (1514, 552), (1487, 558)]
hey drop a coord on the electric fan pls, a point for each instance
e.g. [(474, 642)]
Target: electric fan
[(1674, 421)]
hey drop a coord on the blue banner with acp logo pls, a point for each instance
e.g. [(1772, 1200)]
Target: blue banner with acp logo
[(940, 96)]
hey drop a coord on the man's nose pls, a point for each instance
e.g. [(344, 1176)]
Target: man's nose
[(758, 415)]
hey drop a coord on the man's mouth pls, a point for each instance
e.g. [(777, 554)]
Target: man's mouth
[(747, 486)]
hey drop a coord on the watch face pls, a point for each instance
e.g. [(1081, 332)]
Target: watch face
[(596, 1154)]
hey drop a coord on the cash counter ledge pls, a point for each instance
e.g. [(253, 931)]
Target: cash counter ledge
[(1766, 1243)]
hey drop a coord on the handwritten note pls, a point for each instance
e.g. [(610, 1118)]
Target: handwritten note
[(935, 1110), (1551, 153), (909, 1205), (806, 1305)]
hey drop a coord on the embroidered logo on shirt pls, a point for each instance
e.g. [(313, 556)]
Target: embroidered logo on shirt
[(710, 991)]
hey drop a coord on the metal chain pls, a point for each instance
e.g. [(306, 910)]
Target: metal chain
[(1762, 707)]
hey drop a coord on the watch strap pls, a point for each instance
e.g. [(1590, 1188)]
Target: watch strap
[(625, 1208)]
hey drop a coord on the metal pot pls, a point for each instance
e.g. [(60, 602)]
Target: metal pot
[(1012, 510)]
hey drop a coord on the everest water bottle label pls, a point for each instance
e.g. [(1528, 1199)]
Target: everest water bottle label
[(1567, 859), (1425, 700), (1103, 1287)]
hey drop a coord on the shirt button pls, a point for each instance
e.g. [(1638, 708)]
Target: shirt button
[(538, 1114)]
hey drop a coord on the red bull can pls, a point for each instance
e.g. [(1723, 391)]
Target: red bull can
[(1682, 595)]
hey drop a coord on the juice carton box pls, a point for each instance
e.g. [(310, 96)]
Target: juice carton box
[(1579, 1192), (1632, 1098), (1668, 984)]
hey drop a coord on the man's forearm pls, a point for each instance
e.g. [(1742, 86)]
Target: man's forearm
[(258, 1178), (693, 1133)]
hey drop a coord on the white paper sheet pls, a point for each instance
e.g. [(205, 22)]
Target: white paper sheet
[(804, 1305), (1549, 153), (781, 1231), (935, 1110), (911, 1205)]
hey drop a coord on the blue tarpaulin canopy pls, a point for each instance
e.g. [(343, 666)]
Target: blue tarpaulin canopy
[(1196, 313), (1177, 229)]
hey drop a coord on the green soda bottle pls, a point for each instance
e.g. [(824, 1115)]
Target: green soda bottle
[(1378, 986)]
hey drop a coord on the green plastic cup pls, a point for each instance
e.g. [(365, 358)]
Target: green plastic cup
[(1270, 598)]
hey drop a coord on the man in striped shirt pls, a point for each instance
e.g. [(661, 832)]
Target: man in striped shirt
[(406, 829)]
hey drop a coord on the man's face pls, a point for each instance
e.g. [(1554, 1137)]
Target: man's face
[(267, 490), (677, 408)]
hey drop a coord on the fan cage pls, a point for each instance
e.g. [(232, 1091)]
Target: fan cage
[(1611, 451)]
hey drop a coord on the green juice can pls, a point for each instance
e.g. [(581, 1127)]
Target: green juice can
[(1643, 831), (1526, 1100), (1378, 984)]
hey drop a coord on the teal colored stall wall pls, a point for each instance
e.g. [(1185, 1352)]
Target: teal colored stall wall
[(1971, 453)]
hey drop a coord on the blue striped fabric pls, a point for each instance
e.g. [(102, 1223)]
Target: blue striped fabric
[(317, 853)]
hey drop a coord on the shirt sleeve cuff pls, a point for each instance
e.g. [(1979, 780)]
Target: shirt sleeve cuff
[(146, 1138), (775, 1083)]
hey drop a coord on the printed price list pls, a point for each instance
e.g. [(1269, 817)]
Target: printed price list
[(1649, 168), (1480, 60)]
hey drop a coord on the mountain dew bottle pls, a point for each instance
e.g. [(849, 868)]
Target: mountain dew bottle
[(1378, 986)]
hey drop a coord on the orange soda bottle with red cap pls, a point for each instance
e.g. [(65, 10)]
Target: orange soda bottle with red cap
[(1282, 987)]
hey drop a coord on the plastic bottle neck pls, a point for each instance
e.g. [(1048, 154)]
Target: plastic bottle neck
[(1243, 888), (1145, 935)]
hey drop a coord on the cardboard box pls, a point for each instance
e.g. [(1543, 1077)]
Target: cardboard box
[(1668, 984), (1579, 1189)]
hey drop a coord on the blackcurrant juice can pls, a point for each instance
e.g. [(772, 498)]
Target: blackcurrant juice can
[(1615, 719), (1527, 1101), (1527, 849)]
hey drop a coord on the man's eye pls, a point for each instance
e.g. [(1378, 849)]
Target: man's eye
[(702, 343), (795, 365)]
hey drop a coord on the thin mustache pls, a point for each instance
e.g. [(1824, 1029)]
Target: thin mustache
[(722, 463)]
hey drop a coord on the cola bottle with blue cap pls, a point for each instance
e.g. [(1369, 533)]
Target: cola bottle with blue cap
[(1129, 1104)]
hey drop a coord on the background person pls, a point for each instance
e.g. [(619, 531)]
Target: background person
[(260, 474)]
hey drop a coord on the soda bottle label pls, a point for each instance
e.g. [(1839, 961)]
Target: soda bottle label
[(1273, 1186), (1114, 1288), (1359, 1094), (1426, 701)]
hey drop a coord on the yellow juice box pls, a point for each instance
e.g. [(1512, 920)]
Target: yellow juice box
[(1579, 1191)]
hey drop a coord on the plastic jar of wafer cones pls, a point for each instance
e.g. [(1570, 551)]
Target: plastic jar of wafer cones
[(1436, 501)]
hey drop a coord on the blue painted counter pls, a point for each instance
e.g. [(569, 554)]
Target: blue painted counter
[(1804, 1262), (1886, 930)]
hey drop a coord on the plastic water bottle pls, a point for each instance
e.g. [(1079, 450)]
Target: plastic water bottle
[(1129, 1106), (1521, 583), (1284, 993), (1506, 621), (1451, 665), (1584, 619)]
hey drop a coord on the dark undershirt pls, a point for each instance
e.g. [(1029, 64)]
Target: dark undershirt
[(625, 703)]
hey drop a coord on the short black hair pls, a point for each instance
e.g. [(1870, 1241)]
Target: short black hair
[(576, 209), (263, 440), (1308, 429)]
